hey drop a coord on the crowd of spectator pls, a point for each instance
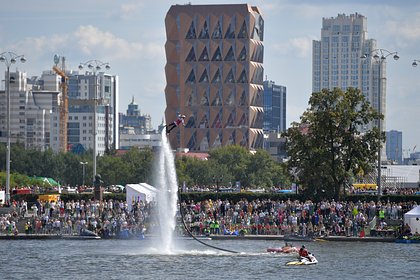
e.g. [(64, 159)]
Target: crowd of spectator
[(111, 218), (293, 217)]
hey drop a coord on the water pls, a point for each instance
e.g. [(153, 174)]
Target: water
[(160, 259), (136, 259), (167, 198)]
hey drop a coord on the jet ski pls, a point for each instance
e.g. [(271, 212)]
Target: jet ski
[(304, 260)]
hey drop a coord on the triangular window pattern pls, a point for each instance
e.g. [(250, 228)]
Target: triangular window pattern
[(217, 33), (231, 140), (192, 99), (191, 55), (257, 78), (231, 98), (230, 32), (242, 78), (204, 77), (243, 32), (204, 144), (230, 78), (191, 77), (231, 119), (217, 78), (243, 120), (217, 100), (191, 121), (205, 99), (242, 100), (244, 141), (218, 141), (191, 32), (192, 142), (230, 56), (204, 33), (242, 55), (204, 123), (204, 55), (217, 123), (217, 56)]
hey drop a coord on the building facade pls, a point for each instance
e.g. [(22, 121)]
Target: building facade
[(338, 62), (394, 148), (141, 124), (34, 113), (274, 107), (214, 75), (84, 89)]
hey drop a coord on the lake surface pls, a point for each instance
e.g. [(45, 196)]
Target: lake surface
[(139, 259)]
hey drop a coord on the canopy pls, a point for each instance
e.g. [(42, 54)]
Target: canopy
[(48, 181), (412, 218), (138, 192)]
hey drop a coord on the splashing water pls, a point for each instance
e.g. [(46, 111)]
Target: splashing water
[(168, 196)]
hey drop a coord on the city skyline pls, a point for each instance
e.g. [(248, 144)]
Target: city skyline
[(130, 35)]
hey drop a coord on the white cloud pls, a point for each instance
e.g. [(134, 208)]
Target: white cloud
[(299, 46), (408, 29)]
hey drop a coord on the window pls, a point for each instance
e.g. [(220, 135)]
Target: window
[(230, 56), (191, 32), (217, 33), (217, 55)]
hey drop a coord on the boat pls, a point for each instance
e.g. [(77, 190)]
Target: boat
[(285, 250), (304, 261), (407, 240)]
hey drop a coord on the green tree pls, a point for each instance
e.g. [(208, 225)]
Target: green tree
[(327, 146), (236, 160)]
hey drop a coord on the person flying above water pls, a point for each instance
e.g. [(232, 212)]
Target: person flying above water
[(177, 122)]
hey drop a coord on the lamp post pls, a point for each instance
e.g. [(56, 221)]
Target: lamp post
[(94, 65), (83, 163), (380, 56), (9, 58)]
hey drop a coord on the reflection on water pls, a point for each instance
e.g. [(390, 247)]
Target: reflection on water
[(135, 259)]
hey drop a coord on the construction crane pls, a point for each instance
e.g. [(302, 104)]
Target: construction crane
[(64, 107)]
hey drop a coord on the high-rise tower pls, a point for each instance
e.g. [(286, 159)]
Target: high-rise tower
[(214, 75), (337, 60)]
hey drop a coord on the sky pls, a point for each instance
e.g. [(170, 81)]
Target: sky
[(130, 36)]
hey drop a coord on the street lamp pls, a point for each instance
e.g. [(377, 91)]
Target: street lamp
[(83, 163), (414, 64), (9, 58), (94, 65), (380, 55)]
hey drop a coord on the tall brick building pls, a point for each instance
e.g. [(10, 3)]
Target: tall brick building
[(214, 75)]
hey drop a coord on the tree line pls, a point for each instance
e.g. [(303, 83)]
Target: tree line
[(224, 166)]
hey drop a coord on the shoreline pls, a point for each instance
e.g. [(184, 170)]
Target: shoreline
[(23, 236)]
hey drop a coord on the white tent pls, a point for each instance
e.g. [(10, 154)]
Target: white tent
[(412, 218), (137, 192)]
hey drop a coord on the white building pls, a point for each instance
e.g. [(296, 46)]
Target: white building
[(337, 60), (129, 138), (84, 89), (33, 113)]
